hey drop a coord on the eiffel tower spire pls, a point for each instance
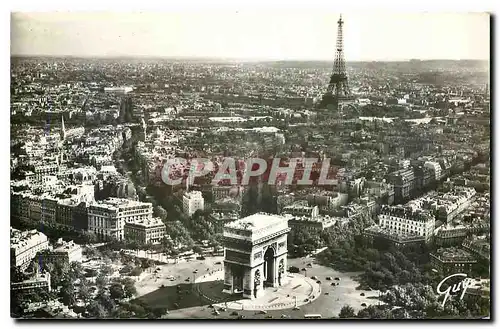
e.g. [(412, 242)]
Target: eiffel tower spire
[(338, 88)]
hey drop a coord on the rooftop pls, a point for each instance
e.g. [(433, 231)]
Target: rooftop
[(193, 194), (113, 203), (452, 253), (156, 221), (256, 222)]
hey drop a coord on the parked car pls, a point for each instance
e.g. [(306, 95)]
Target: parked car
[(364, 304), (293, 269), (362, 294), (329, 278)]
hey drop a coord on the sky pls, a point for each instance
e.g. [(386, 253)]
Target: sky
[(273, 35)]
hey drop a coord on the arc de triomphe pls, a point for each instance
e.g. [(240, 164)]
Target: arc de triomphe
[(255, 254)]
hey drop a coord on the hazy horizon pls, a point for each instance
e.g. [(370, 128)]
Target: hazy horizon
[(238, 59), (252, 36)]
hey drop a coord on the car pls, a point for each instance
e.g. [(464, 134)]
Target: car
[(327, 293), (241, 317), (263, 312), (284, 316), (314, 277), (293, 269), (234, 313), (187, 280), (362, 294), (329, 278), (337, 278), (364, 304), (333, 284), (318, 282), (162, 286), (269, 316)]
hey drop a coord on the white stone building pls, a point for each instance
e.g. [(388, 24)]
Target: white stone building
[(192, 201), (107, 218)]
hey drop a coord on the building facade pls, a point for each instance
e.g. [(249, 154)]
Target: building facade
[(192, 201), (407, 220), (63, 252), (36, 283), (404, 183), (145, 231), (302, 210), (107, 218), (25, 245), (452, 260)]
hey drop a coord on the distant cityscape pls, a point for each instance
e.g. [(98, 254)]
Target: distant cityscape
[(97, 233)]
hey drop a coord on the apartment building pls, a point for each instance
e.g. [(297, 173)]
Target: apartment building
[(63, 252), (25, 245), (145, 231), (107, 218), (407, 220), (192, 201)]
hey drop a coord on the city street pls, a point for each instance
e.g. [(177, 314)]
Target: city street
[(328, 303)]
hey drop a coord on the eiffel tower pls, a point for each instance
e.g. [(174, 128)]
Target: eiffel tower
[(338, 89)]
